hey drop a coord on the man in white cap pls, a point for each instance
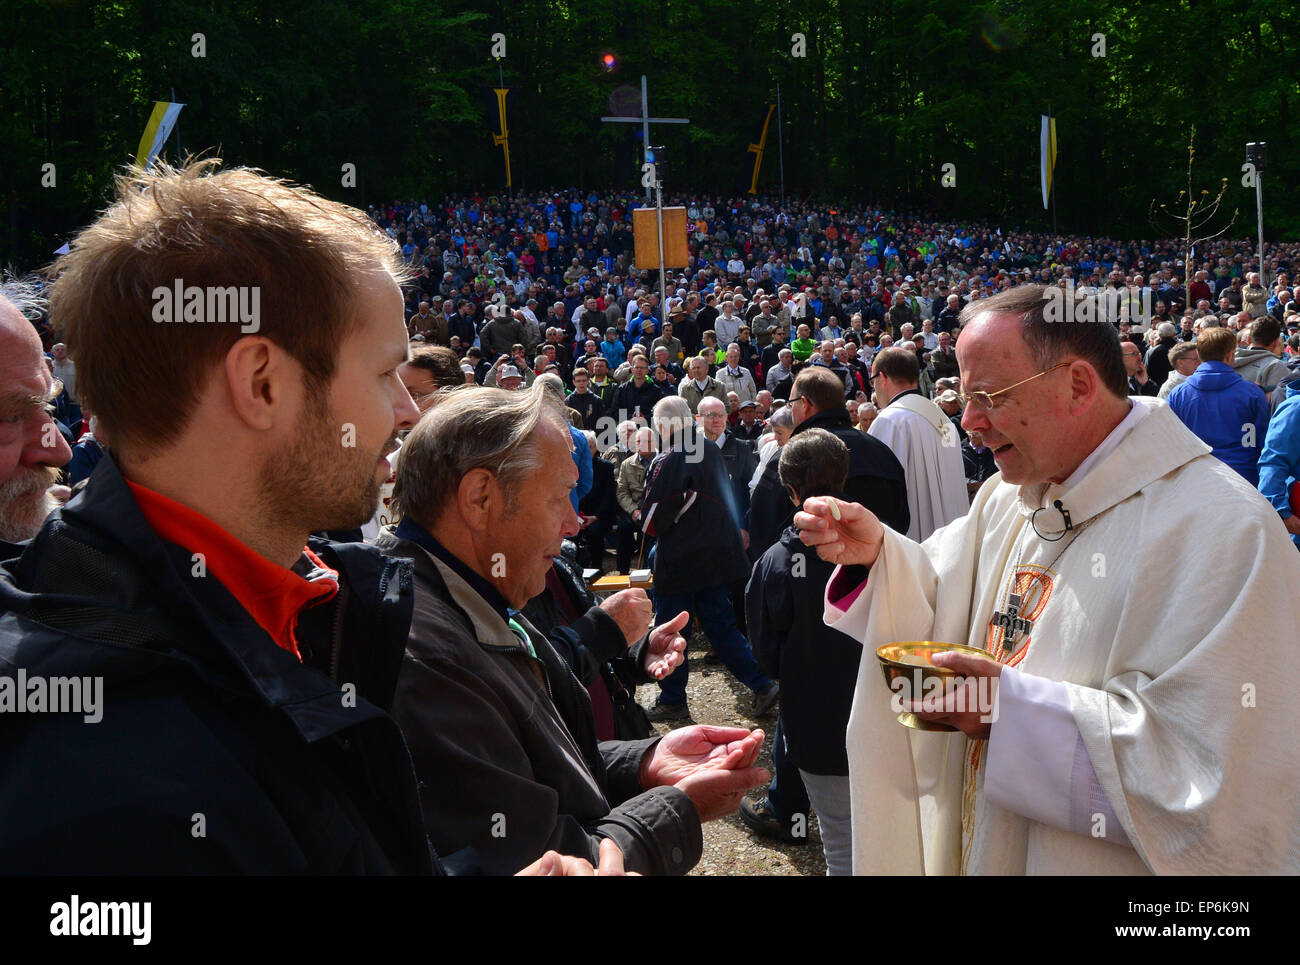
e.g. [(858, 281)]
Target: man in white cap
[(509, 378), (504, 376), (950, 402)]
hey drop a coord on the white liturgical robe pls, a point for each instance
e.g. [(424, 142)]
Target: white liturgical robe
[(926, 442), (1164, 623)]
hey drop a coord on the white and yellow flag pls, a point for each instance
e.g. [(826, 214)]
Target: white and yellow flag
[(156, 132), (1047, 142)]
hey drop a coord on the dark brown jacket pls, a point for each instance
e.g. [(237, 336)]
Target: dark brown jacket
[(432, 326), (504, 742)]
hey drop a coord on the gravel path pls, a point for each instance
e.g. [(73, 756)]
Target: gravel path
[(716, 697)]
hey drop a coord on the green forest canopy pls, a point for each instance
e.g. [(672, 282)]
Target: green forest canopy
[(886, 94)]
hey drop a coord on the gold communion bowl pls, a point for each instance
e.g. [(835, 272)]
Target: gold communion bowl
[(910, 661)]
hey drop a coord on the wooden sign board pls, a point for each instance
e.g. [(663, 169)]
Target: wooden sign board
[(613, 582), (645, 233)]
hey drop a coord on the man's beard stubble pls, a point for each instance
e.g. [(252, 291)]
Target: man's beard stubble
[(25, 501), (320, 484)]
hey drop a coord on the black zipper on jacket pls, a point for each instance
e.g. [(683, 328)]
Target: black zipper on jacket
[(511, 651), (546, 680), (336, 633)]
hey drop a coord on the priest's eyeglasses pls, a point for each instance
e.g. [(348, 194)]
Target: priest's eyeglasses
[(984, 400)]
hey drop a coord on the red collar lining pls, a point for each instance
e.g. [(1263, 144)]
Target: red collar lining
[(273, 595)]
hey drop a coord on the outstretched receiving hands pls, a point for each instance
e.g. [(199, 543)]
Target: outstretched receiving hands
[(714, 766)]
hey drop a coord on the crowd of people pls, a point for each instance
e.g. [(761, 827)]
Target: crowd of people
[(335, 575)]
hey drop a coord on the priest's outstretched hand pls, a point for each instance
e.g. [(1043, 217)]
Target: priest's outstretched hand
[(974, 719), (844, 533)]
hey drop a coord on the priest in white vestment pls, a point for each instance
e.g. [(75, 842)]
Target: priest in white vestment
[(924, 440), (1140, 605)]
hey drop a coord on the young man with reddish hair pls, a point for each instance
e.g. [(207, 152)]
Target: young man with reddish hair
[(239, 340)]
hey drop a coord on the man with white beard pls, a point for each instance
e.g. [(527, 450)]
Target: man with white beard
[(31, 447), (1108, 730)]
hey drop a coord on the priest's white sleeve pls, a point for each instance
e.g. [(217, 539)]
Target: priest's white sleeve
[(1038, 765)]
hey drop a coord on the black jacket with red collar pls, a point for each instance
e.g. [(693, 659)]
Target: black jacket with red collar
[(215, 750)]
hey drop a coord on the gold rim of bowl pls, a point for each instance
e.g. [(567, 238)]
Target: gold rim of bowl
[(887, 654)]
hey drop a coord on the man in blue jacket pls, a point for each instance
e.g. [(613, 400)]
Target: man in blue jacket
[(1279, 462), (613, 349), (1229, 414)]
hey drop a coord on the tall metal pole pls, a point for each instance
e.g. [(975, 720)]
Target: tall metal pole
[(645, 120), (645, 141), (780, 142), (663, 288), (1259, 220)]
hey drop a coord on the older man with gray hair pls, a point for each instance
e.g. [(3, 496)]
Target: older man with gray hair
[(781, 370), (951, 314), (32, 451), (1157, 358), (1185, 360), (739, 454), (501, 732), (700, 384), (65, 370), (1113, 743), (1254, 296), (689, 508), (736, 378), (630, 488)]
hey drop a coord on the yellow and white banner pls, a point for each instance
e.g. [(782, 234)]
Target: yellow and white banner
[(1047, 143), (156, 132)]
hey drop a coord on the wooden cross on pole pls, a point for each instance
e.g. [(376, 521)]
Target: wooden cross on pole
[(759, 148), (645, 120)]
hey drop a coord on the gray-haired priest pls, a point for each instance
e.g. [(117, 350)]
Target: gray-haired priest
[(1143, 656)]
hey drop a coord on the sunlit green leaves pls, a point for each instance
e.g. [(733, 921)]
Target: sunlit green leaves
[(888, 92)]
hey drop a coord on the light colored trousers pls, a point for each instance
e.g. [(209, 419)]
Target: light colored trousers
[(829, 795)]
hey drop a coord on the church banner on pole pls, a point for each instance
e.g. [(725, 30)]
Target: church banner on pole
[(156, 132), (1047, 150), (502, 139)]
